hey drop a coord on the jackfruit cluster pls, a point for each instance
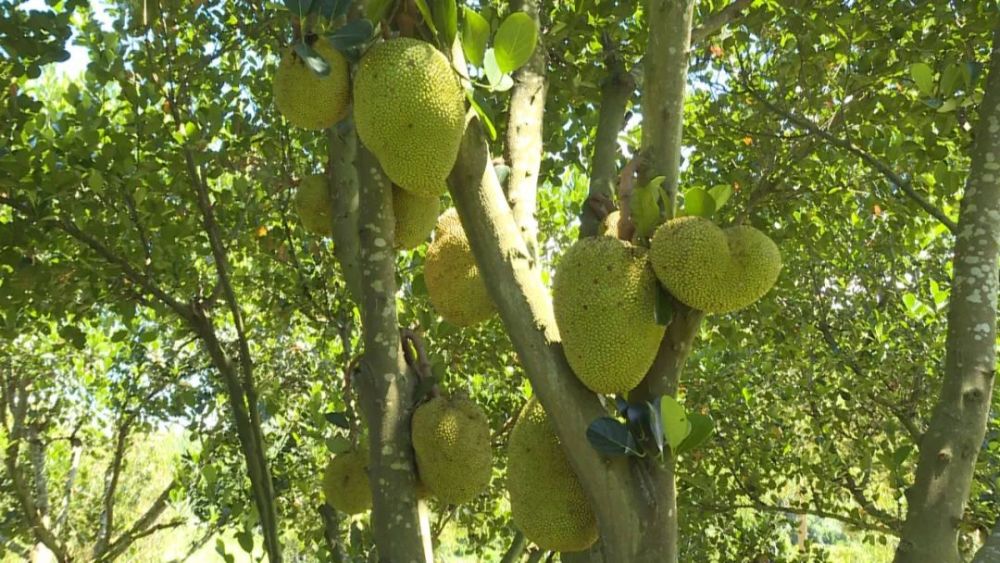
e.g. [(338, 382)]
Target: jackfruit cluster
[(451, 439), (456, 290), (415, 217), (307, 99), (314, 205), (409, 109), (604, 296), (345, 482), (712, 269), (547, 502)]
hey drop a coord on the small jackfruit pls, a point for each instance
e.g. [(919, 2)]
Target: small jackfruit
[(307, 99), (604, 296), (711, 269), (415, 217), (451, 438), (345, 482), (314, 204), (409, 109), (609, 226), (456, 290), (547, 502)]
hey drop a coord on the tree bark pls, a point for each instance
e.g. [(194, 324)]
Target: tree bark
[(524, 133), (990, 550), (385, 385), (516, 548), (344, 192), (954, 436)]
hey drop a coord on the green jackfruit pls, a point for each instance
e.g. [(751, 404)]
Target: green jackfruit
[(415, 217), (345, 482), (456, 290), (547, 502), (451, 438), (307, 99), (409, 109), (604, 296), (712, 269), (314, 205)]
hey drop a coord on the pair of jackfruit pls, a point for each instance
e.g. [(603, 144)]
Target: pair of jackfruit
[(451, 442), (415, 216), (604, 292), (409, 107)]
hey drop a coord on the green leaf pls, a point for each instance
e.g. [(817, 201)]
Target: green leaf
[(610, 437), (352, 34), (702, 427), (950, 79), (313, 60), (376, 10), (675, 421), (484, 111), (446, 20), (923, 77), (245, 539), (338, 444), (299, 8), (425, 12), (515, 41), (698, 202), (948, 106), (74, 336), (475, 34), (645, 207), (493, 73), (721, 194), (338, 419), (900, 455)]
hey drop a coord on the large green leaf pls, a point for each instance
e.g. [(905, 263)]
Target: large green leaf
[(515, 41), (475, 35)]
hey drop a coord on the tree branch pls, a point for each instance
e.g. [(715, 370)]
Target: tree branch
[(112, 474), (714, 22), (902, 183), (144, 525), (524, 133), (616, 91), (990, 551), (764, 507), (343, 174)]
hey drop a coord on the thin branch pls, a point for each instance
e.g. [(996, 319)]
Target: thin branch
[(902, 183), (714, 22), (764, 507), (143, 526), (112, 475)]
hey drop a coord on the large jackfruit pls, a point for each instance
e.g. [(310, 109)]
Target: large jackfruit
[(712, 269), (456, 290), (415, 217), (345, 482), (307, 99), (314, 204), (547, 502), (604, 296), (451, 438), (409, 109)]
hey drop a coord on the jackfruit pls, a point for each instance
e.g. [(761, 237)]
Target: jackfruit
[(604, 296), (415, 217), (547, 502), (456, 290), (609, 226), (409, 109), (712, 269), (451, 439), (345, 482), (314, 205), (307, 99)]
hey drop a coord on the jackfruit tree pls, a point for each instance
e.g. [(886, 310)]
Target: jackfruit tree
[(343, 280)]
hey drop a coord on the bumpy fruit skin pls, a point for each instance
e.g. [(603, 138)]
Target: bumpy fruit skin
[(712, 269), (345, 482), (604, 296), (415, 217), (307, 99), (451, 438), (454, 285), (547, 502), (314, 206), (409, 109)]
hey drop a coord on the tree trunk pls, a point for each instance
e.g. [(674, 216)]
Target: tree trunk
[(385, 385), (958, 425), (990, 551)]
